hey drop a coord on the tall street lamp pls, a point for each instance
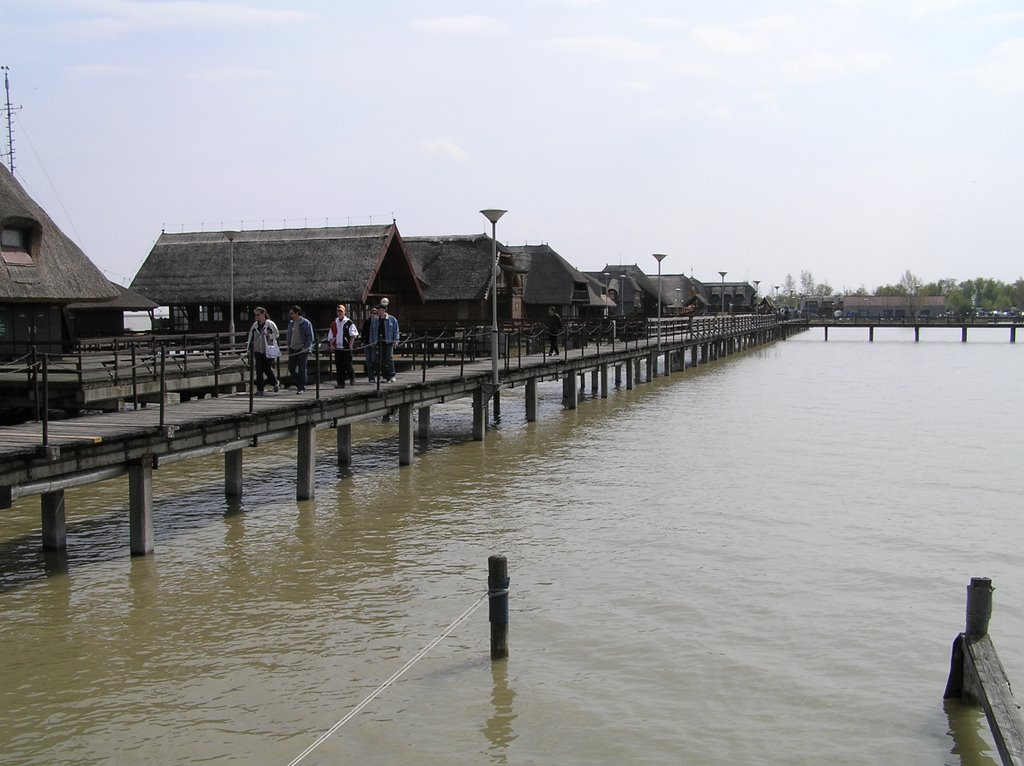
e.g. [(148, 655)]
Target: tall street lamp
[(622, 291), (230, 235), (723, 273), (659, 257), (493, 215), (756, 283), (607, 288)]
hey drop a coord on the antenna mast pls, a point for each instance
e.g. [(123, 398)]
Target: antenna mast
[(8, 109)]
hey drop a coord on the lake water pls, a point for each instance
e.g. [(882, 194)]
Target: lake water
[(763, 561)]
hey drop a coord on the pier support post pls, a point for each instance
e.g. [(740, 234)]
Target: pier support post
[(694, 353), (629, 375), (571, 391), (405, 434), (140, 506), (917, 334), (423, 423), (963, 334), (479, 415), (305, 462), (618, 376), (652, 366), (594, 380), (1013, 333), (496, 406), (603, 374), (531, 400), (497, 591), (54, 526), (979, 606), (343, 435), (233, 473)]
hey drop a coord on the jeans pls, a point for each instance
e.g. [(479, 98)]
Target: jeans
[(297, 368), (368, 350), (264, 369), (387, 362)]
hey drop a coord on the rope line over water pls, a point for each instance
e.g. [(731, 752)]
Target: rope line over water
[(394, 677)]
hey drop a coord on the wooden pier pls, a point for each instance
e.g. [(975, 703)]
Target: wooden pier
[(46, 459), (1010, 325)]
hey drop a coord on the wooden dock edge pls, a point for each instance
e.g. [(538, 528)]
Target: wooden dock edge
[(976, 676)]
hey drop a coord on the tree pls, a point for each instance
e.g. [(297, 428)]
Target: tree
[(806, 283), (823, 288), (789, 285)]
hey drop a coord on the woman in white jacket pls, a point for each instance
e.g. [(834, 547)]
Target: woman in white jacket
[(263, 344)]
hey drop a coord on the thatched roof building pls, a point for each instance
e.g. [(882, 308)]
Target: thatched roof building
[(315, 268), (39, 263), (456, 275), (553, 281)]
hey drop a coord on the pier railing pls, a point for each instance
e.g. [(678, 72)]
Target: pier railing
[(977, 676), (144, 368)]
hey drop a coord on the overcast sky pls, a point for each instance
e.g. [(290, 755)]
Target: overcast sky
[(854, 139)]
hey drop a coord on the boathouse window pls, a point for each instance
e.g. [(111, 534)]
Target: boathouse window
[(204, 313), (14, 246), (218, 313)]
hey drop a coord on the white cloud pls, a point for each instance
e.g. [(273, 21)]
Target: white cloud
[(445, 147), (1004, 70), (232, 74), (176, 13), (818, 67), (726, 41), (460, 25), (607, 46)]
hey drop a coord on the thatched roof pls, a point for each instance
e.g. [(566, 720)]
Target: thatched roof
[(126, 300), (550, 278), (59, 271), (273, 266), (453, 267)]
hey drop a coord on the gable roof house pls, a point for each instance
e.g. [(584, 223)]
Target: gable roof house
[(455, 272), (106, 318), (41, 272), (552, 281), (316, 268)]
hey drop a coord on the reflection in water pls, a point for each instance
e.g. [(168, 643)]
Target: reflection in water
[(498, 727), (966, 723)]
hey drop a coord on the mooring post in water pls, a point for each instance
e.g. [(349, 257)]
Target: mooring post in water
[(497, 591), (979, 606)]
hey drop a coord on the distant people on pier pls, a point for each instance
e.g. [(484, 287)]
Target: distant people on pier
[(384, 338), (300, 343), (554, 328), (341, 337), (367, 346), (263, 338)]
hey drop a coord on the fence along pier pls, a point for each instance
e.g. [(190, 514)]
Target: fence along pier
[(40, 460)]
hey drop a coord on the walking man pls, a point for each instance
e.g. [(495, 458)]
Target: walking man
[(300, 344), (341, 337), (554, 329), (384, 338)]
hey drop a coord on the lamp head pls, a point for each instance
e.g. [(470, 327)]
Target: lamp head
[(230, 235), (659, 257), (492, 214)]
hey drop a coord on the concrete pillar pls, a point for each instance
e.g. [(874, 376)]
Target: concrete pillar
[(636, 373), (667, 370), (140, 506), (305, 484), (54, 528), (629, 375), (531, 400), (496, 404), (344, 438), (603, 374), (595, 377), (618, 376), (423, 423), (963, 334), (479, 415), (572, 391), (405, 434), (652, 366), (694, 354), (871, 335), (233, 473)]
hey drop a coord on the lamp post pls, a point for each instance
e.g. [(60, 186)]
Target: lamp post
[(622, 301), (607, 288), (723, 273), (659, 257), (493, 215), (230, 235), (756, 283), (679, 298), (776, 293)]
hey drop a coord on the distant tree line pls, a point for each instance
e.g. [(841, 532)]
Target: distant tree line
[(961, 297)]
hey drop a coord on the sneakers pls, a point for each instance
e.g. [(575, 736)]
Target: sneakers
[(392, 379), (298, 391), (276, 388)]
